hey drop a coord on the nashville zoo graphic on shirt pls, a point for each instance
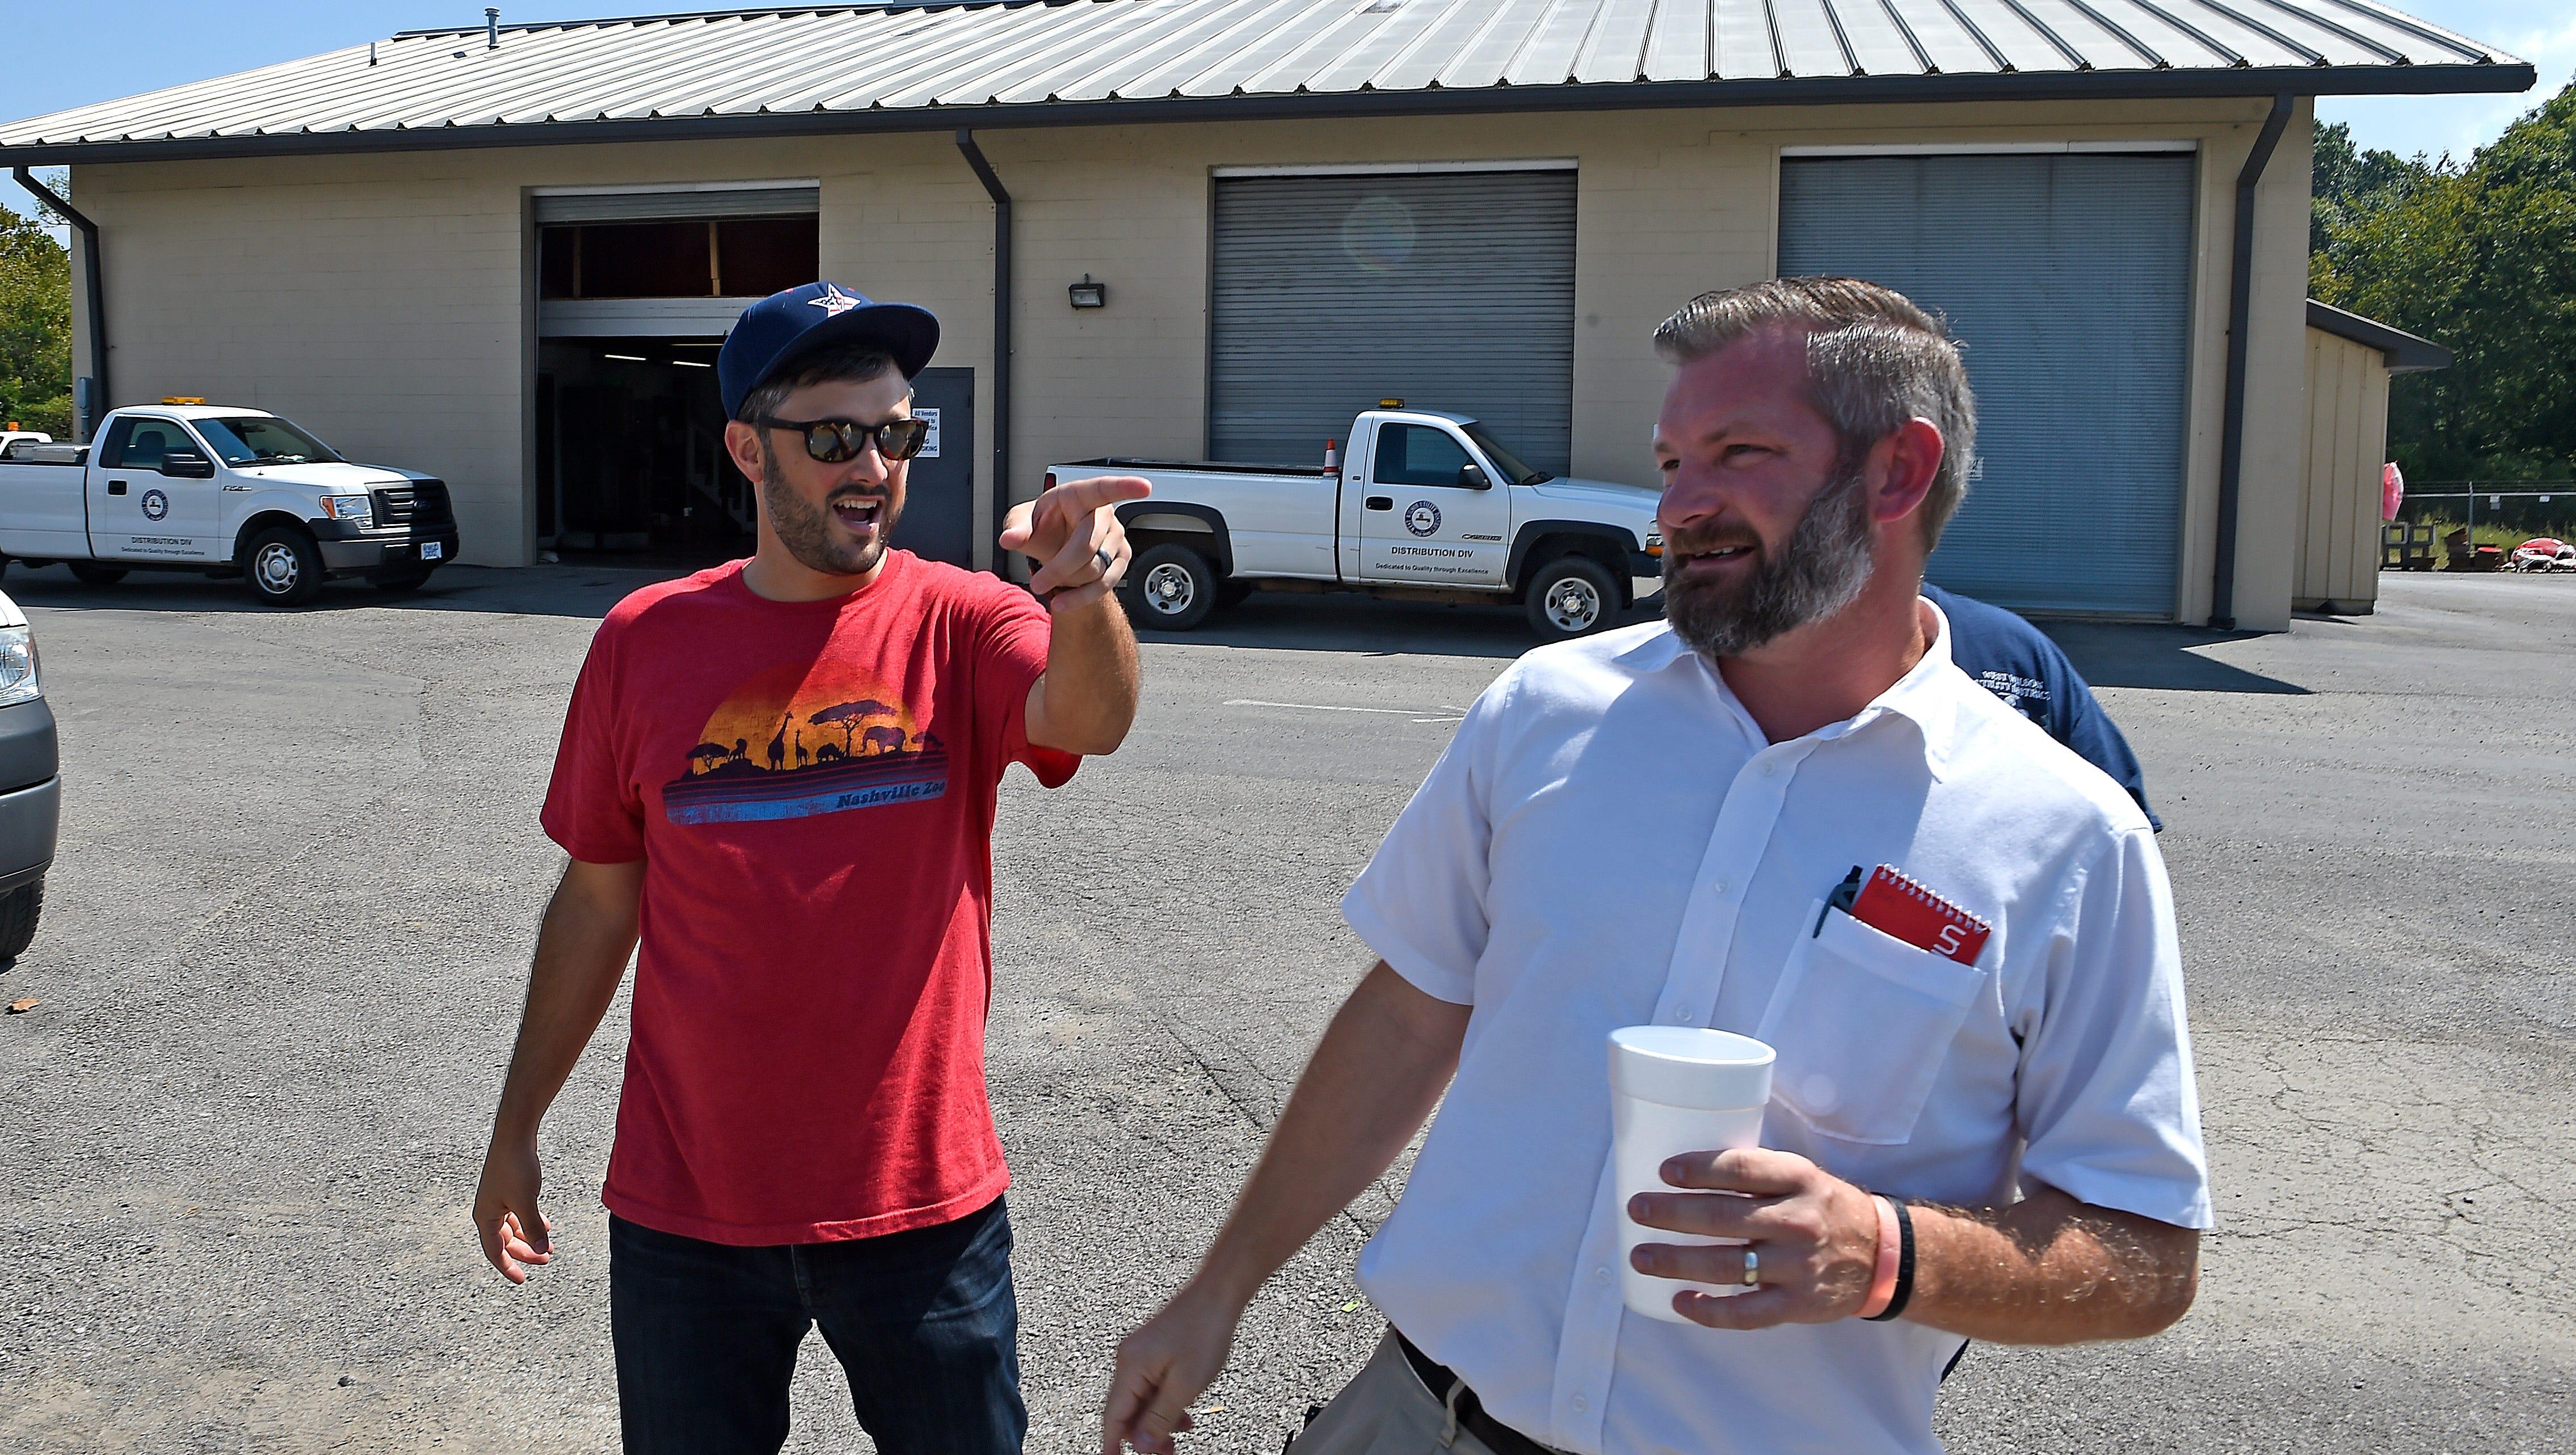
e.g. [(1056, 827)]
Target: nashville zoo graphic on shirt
[(803, 739)]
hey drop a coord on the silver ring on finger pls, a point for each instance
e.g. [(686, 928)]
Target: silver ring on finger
[(1106, 557), (1752, 1269)]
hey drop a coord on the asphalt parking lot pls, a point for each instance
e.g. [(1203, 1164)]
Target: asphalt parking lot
[(287, 933)]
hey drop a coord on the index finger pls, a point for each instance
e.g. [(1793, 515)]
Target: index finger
[(1757, 1170), (1126, 1398), (1097, 491)]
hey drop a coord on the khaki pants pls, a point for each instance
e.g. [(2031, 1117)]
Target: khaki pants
[(1384, 1410)]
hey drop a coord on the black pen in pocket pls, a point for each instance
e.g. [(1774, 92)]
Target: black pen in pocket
[(1844, 896)]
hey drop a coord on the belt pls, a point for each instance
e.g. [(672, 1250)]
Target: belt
[(1447, 1388)]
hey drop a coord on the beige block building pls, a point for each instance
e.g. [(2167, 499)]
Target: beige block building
[(2350, 361), (504, 260)]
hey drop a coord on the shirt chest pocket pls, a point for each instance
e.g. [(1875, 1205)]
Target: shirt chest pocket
[(1862, 1022)]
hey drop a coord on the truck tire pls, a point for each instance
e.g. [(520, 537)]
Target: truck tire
[(1570, 597), (283, 566), (1175, 588), (19, 909), (399, 583), (94, 573)]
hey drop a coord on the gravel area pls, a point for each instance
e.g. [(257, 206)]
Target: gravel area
[(300, 872)]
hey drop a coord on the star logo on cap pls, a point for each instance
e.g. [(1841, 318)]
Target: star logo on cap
[(834, 302)]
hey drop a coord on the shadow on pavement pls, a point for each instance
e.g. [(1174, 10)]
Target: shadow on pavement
[(1337, 622), (574, 591), (2129, 654), (2109, 654)]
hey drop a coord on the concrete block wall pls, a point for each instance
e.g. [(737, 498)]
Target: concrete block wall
[(385, 318)]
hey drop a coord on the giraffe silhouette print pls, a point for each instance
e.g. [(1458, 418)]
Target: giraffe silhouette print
[(871, 751)]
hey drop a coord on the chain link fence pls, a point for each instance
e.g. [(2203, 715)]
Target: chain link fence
[(2499, 516)]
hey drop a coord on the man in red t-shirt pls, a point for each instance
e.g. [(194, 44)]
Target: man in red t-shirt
[(780, 775)]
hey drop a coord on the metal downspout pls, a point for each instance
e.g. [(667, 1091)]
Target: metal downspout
[(2240, 309), (1001, 328), (94, 269)]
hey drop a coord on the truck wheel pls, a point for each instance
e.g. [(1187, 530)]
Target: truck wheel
[(18, 911), (1571, 596), (1175, 588), (285, 568), (397, 583), (91, 573)]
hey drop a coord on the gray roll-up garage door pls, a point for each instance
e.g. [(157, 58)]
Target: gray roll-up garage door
[(2068, 278), (1449, 290)]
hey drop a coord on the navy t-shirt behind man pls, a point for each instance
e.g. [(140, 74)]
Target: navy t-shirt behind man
[(2017, 662)]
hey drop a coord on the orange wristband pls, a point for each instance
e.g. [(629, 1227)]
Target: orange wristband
[(1882, 1284)]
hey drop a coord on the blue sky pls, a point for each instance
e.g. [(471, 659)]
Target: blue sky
[(155, 43)]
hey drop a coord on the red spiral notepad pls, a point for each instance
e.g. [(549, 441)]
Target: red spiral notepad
[(1898, 907)]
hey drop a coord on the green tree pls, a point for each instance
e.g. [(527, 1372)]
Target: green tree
[(2482, 258), (35, 326), (2349, 183)]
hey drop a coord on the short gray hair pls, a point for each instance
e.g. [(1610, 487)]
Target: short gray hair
[(849, 363), (1874, 361)]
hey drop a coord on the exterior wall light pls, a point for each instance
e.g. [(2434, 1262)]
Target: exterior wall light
[(1087, 294)]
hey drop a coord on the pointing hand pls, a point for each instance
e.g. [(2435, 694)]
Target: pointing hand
[(1072, 532)]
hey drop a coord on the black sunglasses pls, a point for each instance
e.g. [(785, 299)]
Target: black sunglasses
[(833, 441)]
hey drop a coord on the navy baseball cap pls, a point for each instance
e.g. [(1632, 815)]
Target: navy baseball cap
[(784, 328)]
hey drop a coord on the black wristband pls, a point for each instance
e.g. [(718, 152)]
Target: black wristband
[(1904, 1264)]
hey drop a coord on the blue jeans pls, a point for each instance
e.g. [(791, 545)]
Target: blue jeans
[(924, 1322)]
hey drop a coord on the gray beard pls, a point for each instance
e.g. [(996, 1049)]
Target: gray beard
[(806, 532), (1818, 572)]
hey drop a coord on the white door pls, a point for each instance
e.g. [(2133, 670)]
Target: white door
[(40, 511), (1420, 519), (136, 513)]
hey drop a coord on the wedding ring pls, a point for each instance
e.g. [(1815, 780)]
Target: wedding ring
[(1752, 1269), (1106, 557)]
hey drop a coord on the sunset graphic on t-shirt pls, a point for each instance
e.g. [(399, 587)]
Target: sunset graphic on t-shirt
[(803, 739)]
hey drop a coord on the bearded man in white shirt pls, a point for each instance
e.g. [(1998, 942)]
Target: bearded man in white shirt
[(1644, 827)]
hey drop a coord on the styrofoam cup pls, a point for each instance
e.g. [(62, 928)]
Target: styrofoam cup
[(1676, 1089)]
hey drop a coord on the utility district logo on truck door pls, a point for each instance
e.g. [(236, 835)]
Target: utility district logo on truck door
[(806, 739), (1422, 517), (155, 505)]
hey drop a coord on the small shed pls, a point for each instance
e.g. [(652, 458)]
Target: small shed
[(2350, 360)]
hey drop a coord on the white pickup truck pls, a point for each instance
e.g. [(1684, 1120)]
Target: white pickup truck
[(1425, 505), (224, 491)]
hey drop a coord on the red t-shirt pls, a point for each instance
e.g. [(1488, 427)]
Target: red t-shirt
[(810, 786)]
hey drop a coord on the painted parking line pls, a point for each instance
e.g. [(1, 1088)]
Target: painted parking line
[(1418, 714)]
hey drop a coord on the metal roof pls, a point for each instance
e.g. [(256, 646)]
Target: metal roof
[(1047, 62), (2406, 353)]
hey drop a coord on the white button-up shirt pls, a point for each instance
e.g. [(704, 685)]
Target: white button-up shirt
[(1610, 840)]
